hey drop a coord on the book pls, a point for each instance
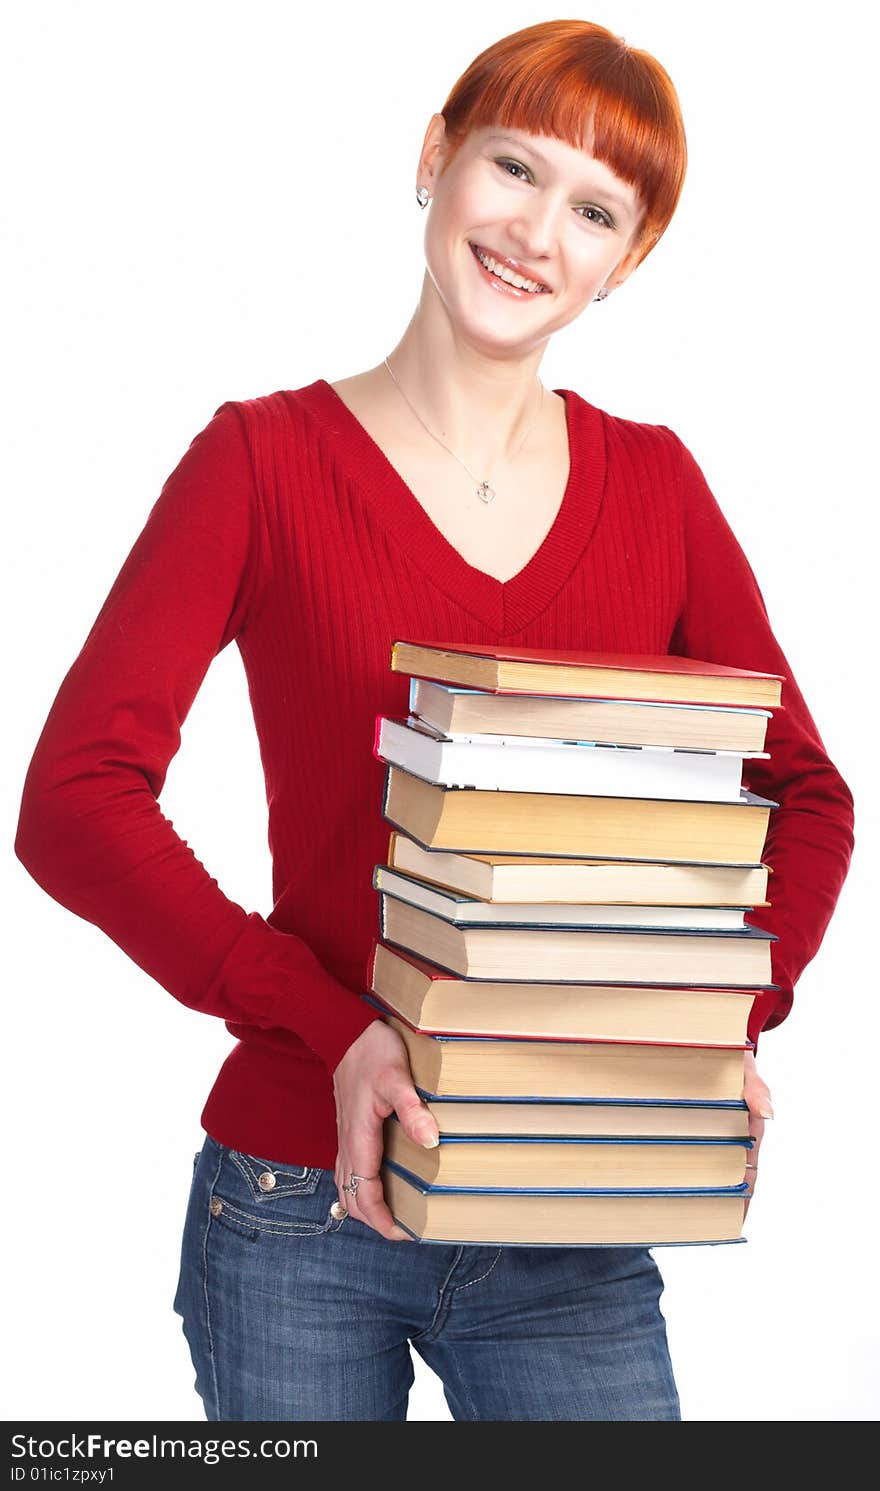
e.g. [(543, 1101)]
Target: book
[(524, 877), (432, 1000), (526, 763), (581, 1049), (533, 670), (589, 1117), (535, 1162), (449, 1065), (547, 823), (562, 1218), (459, 711), (465, 911), (580, 954)]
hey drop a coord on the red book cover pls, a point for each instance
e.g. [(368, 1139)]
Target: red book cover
[(568, 1040), (633, 662), (433, 972)]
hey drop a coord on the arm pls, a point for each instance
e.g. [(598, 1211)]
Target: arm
[(810, 838), (90, 830)]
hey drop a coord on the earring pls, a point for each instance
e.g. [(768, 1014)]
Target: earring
[(601, 295), (423, 196)]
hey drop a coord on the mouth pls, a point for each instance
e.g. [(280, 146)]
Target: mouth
[(502, 274)]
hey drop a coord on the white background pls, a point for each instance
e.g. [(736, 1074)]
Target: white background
[(205, 201)]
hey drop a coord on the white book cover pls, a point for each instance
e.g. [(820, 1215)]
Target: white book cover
[(463, 911), (517, 763)]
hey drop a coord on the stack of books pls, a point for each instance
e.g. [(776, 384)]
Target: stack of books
[(563, 944)]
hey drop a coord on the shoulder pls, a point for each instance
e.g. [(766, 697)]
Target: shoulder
[(637, 451), (277, 412), (637, 445)]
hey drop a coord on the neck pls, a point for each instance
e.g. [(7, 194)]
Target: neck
[(480, 404)]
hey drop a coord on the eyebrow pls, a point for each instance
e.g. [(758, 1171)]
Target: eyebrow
[(521, 144)]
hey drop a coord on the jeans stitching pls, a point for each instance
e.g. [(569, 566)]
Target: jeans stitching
[(304, 1184), (211, 1356), (441, 1298), (475, 1414), (470, 1285), (288, 1229)]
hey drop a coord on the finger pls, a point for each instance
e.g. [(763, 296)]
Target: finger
[(339, 1176), (365, 1151), (751, 1181), (757, 1095), (413, 1114), (368, 1205)]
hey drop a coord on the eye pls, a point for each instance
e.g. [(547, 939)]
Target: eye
[(516, 167), (601, 216)]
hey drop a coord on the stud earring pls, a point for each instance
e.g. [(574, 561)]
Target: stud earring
[(602, 295), (423, 196)]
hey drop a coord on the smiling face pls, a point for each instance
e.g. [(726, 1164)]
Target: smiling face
[(534, 208)]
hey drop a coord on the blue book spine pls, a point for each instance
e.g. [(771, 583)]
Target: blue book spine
[(429, 1188)]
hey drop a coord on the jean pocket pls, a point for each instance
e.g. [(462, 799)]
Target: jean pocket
[(258, 1197)]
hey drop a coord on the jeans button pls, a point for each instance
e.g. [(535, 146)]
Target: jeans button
[(216, 1206), (266, 1181)]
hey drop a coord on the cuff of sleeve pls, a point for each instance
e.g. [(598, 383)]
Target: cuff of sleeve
[(282, 975), (769, 1008)]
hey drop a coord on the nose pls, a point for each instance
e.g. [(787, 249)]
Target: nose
[(534, 231)]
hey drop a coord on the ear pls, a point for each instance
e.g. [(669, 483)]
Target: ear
[(432, 153), (625, 266)]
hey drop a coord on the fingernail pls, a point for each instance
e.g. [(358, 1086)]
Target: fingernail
[(428, 1139), (767, 1111)]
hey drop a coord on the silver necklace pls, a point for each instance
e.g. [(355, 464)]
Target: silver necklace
[(485, 492)]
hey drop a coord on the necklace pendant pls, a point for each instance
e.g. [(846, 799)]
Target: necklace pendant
[(485, 492)]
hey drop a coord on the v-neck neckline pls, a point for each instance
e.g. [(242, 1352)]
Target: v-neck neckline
[(504, 606)]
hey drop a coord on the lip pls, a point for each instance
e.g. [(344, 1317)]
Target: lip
[(516, 265)]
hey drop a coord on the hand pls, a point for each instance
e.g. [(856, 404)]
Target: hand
[(372, 1080), (757, 1095)]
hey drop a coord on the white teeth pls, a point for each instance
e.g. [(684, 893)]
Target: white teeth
[(504, 273)]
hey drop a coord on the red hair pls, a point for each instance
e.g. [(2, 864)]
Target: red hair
[(584, 85)]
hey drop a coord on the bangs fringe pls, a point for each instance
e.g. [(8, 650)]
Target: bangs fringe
[(579, 83)]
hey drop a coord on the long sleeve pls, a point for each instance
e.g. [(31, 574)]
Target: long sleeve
[(810, 839), (90, 829)]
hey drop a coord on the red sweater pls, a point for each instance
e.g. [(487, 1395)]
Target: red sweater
[(284, 528)]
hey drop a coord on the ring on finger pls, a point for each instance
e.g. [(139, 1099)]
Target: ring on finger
[(355, 1181)]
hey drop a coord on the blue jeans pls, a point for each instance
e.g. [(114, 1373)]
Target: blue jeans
[(291, 1314)]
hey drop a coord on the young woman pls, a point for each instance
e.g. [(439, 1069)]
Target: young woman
[(444, 494)]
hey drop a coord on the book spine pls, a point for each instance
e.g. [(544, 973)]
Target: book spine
[(429, 1187), (726, 1103)]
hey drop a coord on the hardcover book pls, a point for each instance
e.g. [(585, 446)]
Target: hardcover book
[(499, 1067), (454, 711), (438, 1002), (529, 877), (536, 1163), (526, 763), (562, 1218), (471, 821), (542, 670), (589, 1117), (580, 954)]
